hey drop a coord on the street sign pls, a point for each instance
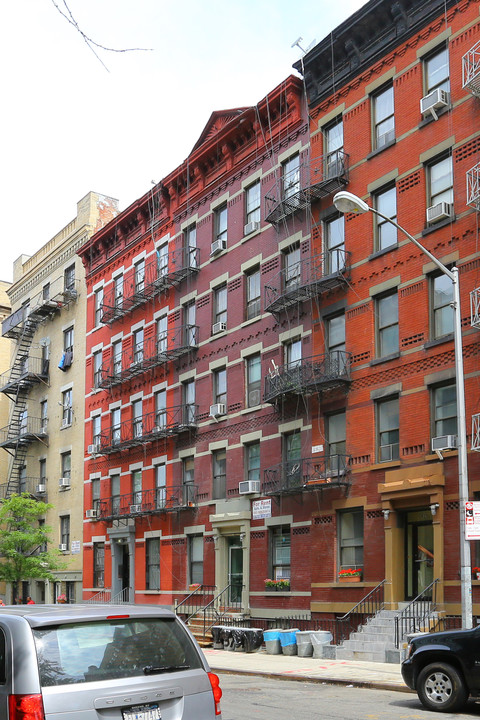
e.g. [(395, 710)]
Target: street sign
[(472, 520)]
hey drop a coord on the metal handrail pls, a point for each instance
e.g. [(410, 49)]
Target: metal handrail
[(366, 608), (215, 604), (104, 597), (200, 592), (418, 613)]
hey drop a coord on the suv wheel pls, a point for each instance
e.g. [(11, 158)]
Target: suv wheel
[(441, 687)]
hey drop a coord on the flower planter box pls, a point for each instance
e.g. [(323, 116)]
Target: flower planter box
[(350, 579)]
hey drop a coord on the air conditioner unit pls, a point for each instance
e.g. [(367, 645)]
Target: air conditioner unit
[(217, 410), (247, 487), (218, 246), (64, 482), (439, 211), (66, 422), (135, 508), (62, 547), (433, 101), (218, 327), (91, 513), (93, 449), (251, 227), (444, 442), (41, 489)]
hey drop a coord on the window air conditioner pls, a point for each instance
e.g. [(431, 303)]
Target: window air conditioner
[(93, 449), (217, 410), (433, 101), (218, 327), (439, 211), (135, 508), (91, 513), (64, 482), (41, 489), (62, 547), (218, 246), (251, 227), (247, 487), (444, 442)]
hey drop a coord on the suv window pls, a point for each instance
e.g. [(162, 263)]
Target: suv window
[(87, 652)]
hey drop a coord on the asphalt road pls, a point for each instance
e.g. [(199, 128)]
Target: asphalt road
[(258, 698)]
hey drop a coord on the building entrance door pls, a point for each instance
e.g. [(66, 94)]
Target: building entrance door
[(418, 552), (235, 569)]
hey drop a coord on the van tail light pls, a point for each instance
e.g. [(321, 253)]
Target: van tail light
[(25, 707), (217, 691)]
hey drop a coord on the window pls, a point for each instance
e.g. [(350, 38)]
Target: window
[(220, 386), (336, 431), (137, 494), (68, 340), (117, 358), (442, 305), (291, 177), (350, 538), (96, 494), (281, 545), (98, 306), (387, 325), (253, 294), (292, 453), (444, 410), (333, 142), (137, 419), (190, 327), (383, 118), (189, 402), (195, 559), (335, 333), (385, 233), (65, 531), (66, 464), (161, 409), (440, 181), (252, 461), (69, 278), (188, 478), (221, 224), (99, 565), (118, 292), (160, 485), (191, 246), (138, 346), (43, 416), (293, 353), (220, 304), (388, 422), (252, 204), (335, 244), (162, 260), (152, 564), (97, 369), (22, 477), (139, 272), (43, 471), (67, 411), (219, 460), (46, 291), (115, 493), (116, 426), (96, 430), (162, 335), (291, 262), (254, 380), (436, 71)]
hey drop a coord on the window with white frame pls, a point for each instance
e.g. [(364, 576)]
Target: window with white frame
[(115, 493), (383, 117), (98, 299), (336, 432), (68, 340), (440, 181), (190, 238), (66, 464), (118, 292), (219, 463), (385, 201), (137, 419), (333, 146), (95, 494), (65, 531), (253, 367), (162, 334), (436, 71), (69, 278), (195, 559), (220, 304), (160, 485), (252, 203), (189, 409), (293, 353), (442, 305), (253, 293), (252, 461), (97, 368), (291, 176), (292, 455), (117, 358), (136, 480), (138, 346), (281, 553), (220, 223), (188, 478), (152, 563), (67, 407), (220, 386), (99, 564), (139, 276), (43, 416), (350, 538), (189, 314), (335, 244), (388, 432), (292, 267), (161, 409), (115, 424), (444, 410), (387, 324), (96, 431), (162, 260)]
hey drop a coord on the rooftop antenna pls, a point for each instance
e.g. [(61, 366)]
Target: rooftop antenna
[(297, 44)]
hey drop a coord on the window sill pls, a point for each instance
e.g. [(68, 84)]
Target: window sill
[(380, 253), (341, 585), (251, 320), (436, 226), (385, 465), (387, 358), (438, 341), (381, 149), (429, 118), (65, 427)]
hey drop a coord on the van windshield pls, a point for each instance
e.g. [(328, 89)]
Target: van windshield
[(90, 651)]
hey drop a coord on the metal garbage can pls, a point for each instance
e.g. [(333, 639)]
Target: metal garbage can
[(304, 644), (288, 641), (272, 642), (320, 638)]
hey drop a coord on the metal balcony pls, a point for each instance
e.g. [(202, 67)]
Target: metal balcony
[(475, 308), (316, 179), (160, 274), (150, 427), (175, 343), (309, 375), (147, 502), (306, 474), (307, 279), (471, 70), (25, 374), (28, 431), (473, 187)]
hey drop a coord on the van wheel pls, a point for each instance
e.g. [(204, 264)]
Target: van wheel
[(440, 687)]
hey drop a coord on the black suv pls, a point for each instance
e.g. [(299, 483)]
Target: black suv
[(444, 668)]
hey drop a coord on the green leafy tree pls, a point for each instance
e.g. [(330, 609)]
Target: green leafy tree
[(23, 540)]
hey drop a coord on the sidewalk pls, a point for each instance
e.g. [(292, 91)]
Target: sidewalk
[(385, 676)]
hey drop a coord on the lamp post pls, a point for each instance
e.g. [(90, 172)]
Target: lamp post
[(346, 202)]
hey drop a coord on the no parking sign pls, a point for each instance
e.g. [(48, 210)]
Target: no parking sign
[(472, 520)]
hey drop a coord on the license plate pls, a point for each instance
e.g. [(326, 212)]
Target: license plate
[(142, 712)]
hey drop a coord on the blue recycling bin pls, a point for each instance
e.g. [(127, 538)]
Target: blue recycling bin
[(272, 642)]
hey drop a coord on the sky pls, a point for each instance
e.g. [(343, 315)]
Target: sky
[(69, 125)]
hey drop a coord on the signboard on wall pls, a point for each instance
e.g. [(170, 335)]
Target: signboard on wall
[(261, 509), (472, 520)]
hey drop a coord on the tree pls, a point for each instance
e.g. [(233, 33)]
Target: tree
[(23, 539)]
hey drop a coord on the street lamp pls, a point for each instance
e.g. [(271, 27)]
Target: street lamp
[(346, 202)]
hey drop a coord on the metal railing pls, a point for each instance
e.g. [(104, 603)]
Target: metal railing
[(147, 502), (418, 615), (328, 371), (367, 608), (306, 474), (104, 597), (44, 303), (195, 601), (28, 430), (471, 70)]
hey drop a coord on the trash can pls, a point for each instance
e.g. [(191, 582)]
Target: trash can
[(288, 641), (252, 639), (272, 642), (304, 644), (320, 638), (216, 631)]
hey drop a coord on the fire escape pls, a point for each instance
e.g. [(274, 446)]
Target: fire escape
[(25, 372)]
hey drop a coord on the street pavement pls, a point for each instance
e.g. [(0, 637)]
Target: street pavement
[(385, 676)]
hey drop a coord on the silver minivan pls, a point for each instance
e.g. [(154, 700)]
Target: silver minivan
[(102, 662)]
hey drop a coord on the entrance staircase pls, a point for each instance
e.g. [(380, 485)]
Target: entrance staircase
[(203, 608)]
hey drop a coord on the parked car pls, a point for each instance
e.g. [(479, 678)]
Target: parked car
[(90, 662), (444, 668)]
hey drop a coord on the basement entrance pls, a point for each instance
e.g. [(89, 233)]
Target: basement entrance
[(418, 552)]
